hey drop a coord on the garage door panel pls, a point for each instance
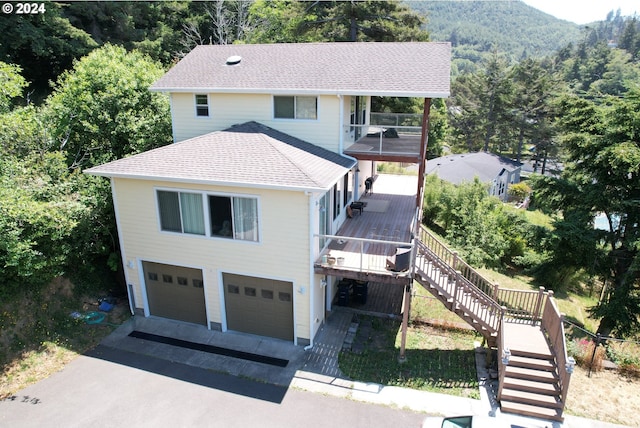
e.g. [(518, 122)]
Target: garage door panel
[(175, 292), (257, 306)]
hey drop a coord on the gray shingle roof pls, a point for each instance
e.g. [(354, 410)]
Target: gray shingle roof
[(420, 69), (250, 154), (465, 167)]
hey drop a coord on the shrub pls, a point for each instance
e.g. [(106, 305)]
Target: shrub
[(519, 191), (582, 351)]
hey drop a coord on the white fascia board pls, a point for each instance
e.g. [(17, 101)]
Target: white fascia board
[(354, 92), (211, 182)]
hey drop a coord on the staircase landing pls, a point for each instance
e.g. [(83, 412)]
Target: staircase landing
[(525, 337)]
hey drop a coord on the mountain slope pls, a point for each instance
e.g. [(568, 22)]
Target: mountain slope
[(510, 26)]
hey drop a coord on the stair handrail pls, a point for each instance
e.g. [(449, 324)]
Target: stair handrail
[(447, 261), (503, 359), (553, 326), (451, 258)]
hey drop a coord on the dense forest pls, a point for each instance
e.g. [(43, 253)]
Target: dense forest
[(75, 93), (476, 28)]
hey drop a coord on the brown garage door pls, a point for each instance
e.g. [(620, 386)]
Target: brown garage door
[(259, 306), (175, 292)]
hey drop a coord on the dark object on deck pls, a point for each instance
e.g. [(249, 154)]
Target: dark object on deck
[(344, 292), (360, 291), (400, 261), (357, 206), (391, 133)]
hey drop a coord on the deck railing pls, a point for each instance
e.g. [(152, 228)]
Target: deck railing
[(360, 254), (521, 305), (396, 119), (452, 284), (380, 139), (552, 324), (504, 355), (525, 305), (451, 258)]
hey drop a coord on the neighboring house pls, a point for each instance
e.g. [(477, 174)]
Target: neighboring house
[(498, 171), (223, 227)]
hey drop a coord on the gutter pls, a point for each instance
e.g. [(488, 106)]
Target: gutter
[(303, 91)]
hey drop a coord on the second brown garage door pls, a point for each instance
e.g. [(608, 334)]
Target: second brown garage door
[(259, 306)]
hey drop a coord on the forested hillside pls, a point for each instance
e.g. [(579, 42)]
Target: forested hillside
[(475, 28)]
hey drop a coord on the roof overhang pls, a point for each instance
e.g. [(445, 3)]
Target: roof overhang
[(307, 91), (252, 185)]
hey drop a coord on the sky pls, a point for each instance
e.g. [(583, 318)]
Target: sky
[(585, 11)]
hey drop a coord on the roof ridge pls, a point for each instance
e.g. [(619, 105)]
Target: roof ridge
[(272, 142)]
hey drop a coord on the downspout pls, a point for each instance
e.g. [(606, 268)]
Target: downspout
[(341, 125), (125, 265), (311, 272)]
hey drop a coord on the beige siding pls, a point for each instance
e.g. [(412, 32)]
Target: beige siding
[(230, 109), (282, 254)]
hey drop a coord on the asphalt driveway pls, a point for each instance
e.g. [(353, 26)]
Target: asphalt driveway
[(110, 387)]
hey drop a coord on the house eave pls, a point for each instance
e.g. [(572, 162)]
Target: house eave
[(210, 182), (301, 91)]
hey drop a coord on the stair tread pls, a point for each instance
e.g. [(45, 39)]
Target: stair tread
[(516, 395), (513, 371), (535, 355), (508, 406), (525, 384), (516, 360)]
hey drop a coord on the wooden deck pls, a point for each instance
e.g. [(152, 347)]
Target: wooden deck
[(405, 148), (367, 239)]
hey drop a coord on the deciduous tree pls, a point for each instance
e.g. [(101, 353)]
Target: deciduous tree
[(102, 109)]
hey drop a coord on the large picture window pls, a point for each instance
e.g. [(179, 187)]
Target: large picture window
[(232, 217), (290, 107)]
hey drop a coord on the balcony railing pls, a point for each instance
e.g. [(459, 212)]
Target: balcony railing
[(389, 140), (396, 119), (362, 255)]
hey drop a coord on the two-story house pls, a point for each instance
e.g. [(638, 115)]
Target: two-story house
[(272, 145)]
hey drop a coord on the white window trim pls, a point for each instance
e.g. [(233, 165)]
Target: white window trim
[(294, 119), (205, 207), (195, 106)]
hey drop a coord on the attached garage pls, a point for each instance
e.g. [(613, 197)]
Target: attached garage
[(259, 306), (175, 292)]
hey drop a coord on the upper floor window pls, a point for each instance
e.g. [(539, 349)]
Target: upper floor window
[(232, 217), (202, 105), (181, 212), (300, 107)]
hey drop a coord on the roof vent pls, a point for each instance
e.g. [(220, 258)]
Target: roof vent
[(234, 59)]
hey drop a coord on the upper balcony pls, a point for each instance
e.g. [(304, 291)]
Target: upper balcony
[(393, 137)]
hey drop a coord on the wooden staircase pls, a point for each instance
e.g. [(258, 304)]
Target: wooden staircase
[(530, 386), (457, 293), (530, 383)]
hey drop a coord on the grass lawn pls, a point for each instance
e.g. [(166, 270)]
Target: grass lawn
[(39, 336), (438, 359)]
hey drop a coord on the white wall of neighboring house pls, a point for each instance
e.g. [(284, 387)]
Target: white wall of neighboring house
[(283, 252), (500, 185), (226, 110)]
